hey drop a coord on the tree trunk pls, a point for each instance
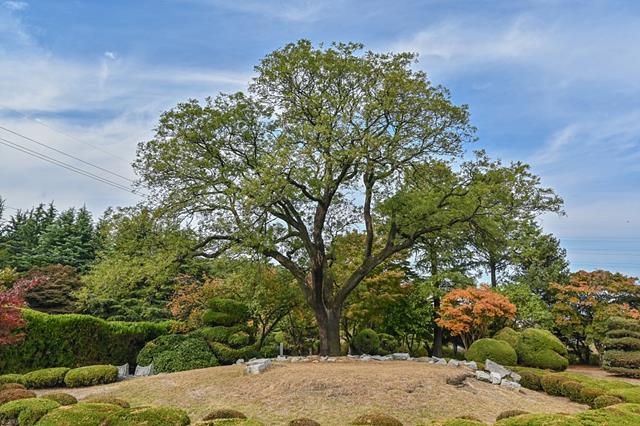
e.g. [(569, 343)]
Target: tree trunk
[(329, 328), (494, 278), (437, 330)]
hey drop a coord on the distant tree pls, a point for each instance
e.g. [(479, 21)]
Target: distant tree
[(578, 303), (470, 312), (11, 304), (532, 310), (56, 293)]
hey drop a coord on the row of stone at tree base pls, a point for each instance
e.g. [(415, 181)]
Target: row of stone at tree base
[(498, 375)]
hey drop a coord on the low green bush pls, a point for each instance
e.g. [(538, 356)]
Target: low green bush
[(91, 375), (511, 413), (190, 354), (10, 378), (540, 420), (541, 349), (530, 380), (606, 400), (15, 394), (81, 414), (228, 355), (621, 359), (61, 398), (72, 340), (509, 335), (631, 394), (496, 350), (589, 394), (376, 419), (45, 378), (553, 384), (366, 341), (105, 399), (149, 416), (224, 413), (457, 422), (225, 312), (25, 412)]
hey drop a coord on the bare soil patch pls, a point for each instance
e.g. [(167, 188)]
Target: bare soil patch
[(331, 393), (599, 373)]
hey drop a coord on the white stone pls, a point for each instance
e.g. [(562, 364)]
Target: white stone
[(440, 361), (424, 359), (257, 366), (454, 362), (401, 356), (123, 371), (483, 376), (511, 385), (282, 358), (470, 364), (365, 358), (494, 367), (143, 371), (515, 377), (240, 361), (495, 378)]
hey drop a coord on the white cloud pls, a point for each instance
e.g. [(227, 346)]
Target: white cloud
[(288, 10), (110, 55), (16, 5)]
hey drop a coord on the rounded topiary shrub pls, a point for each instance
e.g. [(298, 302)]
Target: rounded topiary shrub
[(61, 398), (510, 413), (508, 335), (25, 412), (79, 414), (104, 399), (177, 352), (91, 375), (45, 378), (224, 413), (530, 380), (10, 378), (496, 350), (553, 384), (376, 419), (541, 349), (149, 416), (622, 347), (605, 401), (366, 342), (15, 394), (589, 394)]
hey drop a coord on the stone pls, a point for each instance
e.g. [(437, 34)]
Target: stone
[(470, 364), (240, 361), (143, 371), (494, 367), (123, 371), (439, 361), (511, 385), (424, 359), (483, 376), (332, 359), (257, 366), (454, 363), (495, 378), (402, 356), (365, 358), (282, 358), (515, 377)]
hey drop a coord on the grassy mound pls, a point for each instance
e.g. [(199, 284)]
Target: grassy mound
[(25, 412), (15, 394), (101, 399), (224, 413), (508, 335), (366, 342), (91, 375), (303, 421), (541, 349), (149, 416), (85, 414), (496, 350), (61, 398), (45, 378)]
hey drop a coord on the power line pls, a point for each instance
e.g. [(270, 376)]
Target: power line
[(50, 127), (67, 155), (64, 165)]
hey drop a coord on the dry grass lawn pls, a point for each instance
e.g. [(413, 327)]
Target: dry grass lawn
[(331, 393)]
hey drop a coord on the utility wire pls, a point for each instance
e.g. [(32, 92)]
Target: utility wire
[(67, 166), (67, 155), (50, 127)]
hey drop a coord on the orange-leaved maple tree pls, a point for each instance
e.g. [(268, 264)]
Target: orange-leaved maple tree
[(469, 312), (11, 304)]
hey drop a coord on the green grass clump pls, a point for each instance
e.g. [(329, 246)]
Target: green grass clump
[(61, 398), (149, 416), (496, 350), (511, 413), (540, 420), (541, 349), (103, 399), (84, 414), (25, 412), (605, 401), (8, 386), (91, 375), (45, 378)]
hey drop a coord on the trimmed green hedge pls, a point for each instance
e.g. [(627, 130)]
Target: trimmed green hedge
[(541, 349), (45, 378), (91, 375), (622, 347), (26, 412), (149, 416), (72, 340), (496, 350), (85, 414)]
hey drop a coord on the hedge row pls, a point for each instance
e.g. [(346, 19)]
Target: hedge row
[(59, 377), (73, 340)]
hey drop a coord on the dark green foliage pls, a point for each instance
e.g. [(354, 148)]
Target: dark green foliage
[(553, 384), (508, 335), (589, 394), (81, 414), (224, 413), (388, 344), (227, 355), (25, 411), (303, 421), (226, 312), (376, 419), (14, 394), (45, 378), (530, 380), (75, 340), (149, 416), (510, 413), (541, 349), (496, 350), (61, 398), (366, 342), (91, 375), (55, 293), (605, 401), (102, 399), (573, 390), (622, 347), (177, 352)]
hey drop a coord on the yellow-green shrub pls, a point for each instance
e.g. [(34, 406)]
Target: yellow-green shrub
[(25, 412), (45, 378), (91, 375)]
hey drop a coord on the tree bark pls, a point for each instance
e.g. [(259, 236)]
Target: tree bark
[(494, 278), (329, 328), (437, 330)]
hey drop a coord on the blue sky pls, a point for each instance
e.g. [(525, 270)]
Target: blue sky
[(552, 83)]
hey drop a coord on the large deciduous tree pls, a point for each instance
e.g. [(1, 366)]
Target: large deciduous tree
[(325, 141)]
